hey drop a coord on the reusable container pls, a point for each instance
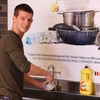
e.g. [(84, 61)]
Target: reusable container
[(49, 86), (86, 85)]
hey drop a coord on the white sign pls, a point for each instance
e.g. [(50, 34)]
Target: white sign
[(68, 60)]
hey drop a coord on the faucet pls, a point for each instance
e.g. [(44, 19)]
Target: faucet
[(52, 71)]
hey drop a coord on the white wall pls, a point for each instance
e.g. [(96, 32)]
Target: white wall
[(44, 18)]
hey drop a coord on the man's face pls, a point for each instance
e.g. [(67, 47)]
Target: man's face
[(22, 22)]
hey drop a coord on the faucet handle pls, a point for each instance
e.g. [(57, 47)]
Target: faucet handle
[(58, 86), (57, 72)]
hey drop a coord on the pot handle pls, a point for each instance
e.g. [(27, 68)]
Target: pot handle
[(99, 48), (96, 11), (51, 28), (60, 12)]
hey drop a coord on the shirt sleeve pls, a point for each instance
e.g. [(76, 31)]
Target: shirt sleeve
[(14, 48)]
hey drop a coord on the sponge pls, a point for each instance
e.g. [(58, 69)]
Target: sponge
[(54, 7)]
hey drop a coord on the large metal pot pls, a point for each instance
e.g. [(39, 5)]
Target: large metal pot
[(80, 18)]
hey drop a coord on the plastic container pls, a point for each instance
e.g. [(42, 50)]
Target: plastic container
[(49, 86), (86, 85)]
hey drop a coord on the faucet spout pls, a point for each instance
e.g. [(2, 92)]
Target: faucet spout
[(51, 69)]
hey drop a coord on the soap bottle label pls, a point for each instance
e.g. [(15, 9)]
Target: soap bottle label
[(83, 86)]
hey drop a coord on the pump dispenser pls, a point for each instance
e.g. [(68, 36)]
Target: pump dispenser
[(86, 85)]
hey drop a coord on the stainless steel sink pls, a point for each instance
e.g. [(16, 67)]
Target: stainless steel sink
[(68, 91), (27, 98), (64, 85)]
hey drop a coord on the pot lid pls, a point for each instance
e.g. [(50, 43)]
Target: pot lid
[(85, 10)]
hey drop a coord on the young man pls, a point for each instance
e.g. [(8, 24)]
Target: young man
[(14, 66)]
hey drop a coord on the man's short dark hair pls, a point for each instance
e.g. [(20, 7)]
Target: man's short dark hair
[(23, 7)]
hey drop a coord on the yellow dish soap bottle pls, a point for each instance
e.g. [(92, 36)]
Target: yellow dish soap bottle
[(86, 85)]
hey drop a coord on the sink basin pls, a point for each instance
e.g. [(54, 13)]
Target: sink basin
[(27, 98), (64, 85), (68, 91)]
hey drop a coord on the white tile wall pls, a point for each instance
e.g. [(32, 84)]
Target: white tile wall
[(44, 18)]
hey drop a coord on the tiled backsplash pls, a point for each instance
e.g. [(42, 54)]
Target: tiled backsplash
[(3, 16)]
